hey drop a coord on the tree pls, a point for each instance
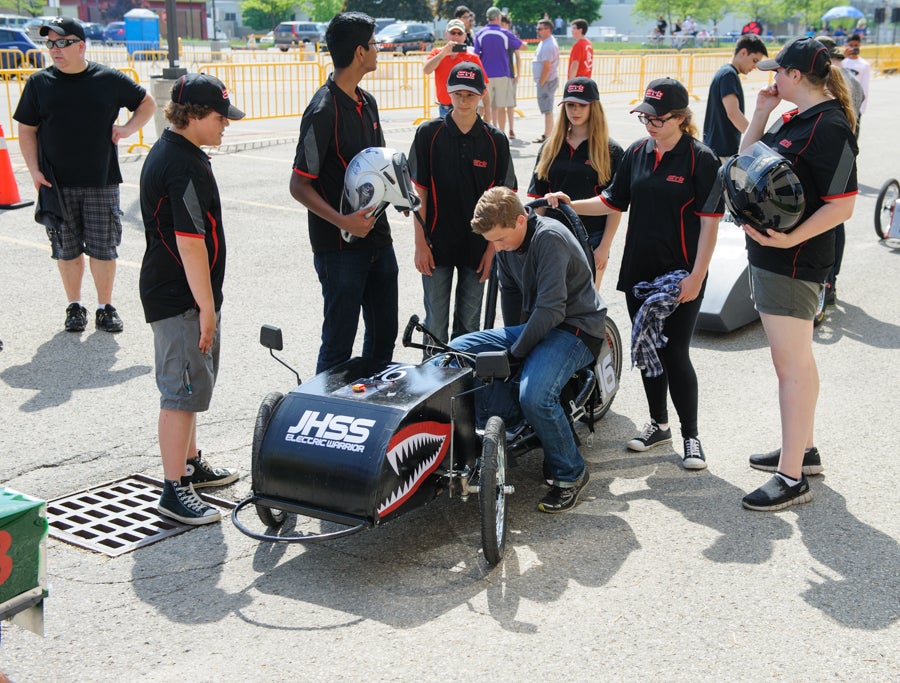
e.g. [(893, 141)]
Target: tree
[(527, 10), (416, 10), (323, 10), (265, 15)]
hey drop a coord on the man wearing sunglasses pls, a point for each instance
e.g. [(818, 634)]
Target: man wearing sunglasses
[(69, 140)]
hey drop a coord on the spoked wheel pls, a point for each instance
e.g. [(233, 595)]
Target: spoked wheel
[(493, 490), (610, 372), (884, 207), (271, 517)]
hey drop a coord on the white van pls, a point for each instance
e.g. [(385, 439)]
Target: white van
[(13, 20)]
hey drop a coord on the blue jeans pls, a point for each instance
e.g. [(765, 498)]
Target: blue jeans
[(544, 374), (467, 306), (354, 280)]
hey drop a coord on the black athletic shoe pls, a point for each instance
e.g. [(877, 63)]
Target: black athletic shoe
[(776, 494), (180, 501), (830, 295), (108, 319), (562, 499), (768, 462), (76, 318), (201, 474), (650, 437), (694, 458)]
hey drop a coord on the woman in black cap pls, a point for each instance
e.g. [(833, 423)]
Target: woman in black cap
[(788, 269), (669, 181), (580, 159)]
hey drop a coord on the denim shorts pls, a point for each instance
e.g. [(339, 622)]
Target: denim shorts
[(777, 294), (93, 226), (185, 377)]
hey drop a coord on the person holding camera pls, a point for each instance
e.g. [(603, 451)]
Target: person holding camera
[(859, 68), (441, 61)]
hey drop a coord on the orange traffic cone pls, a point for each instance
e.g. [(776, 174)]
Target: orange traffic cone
[(9, 191)]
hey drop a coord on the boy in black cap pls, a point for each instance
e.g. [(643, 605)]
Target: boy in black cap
[(453, 160), (181, 284), (68, 136)]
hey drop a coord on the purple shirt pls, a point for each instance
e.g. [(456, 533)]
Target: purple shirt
[(492, 44)]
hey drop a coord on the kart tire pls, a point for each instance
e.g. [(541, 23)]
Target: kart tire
[(493, 490), (884, 207), (614, 339), (271, 517)]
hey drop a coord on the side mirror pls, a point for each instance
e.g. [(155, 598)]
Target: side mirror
[(270, 337)]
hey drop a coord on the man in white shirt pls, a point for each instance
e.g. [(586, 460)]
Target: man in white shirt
[(859, 68)]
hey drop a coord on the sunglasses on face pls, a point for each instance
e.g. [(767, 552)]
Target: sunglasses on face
[(656, 123), (61, 42)]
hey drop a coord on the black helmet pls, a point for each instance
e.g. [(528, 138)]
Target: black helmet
[(762, 190)]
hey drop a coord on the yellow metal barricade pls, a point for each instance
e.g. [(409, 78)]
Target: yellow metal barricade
[(269, 90), (124, 115)]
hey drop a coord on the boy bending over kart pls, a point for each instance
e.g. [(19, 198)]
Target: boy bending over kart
[(542, 265)]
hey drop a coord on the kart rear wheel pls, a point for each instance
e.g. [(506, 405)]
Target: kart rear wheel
[(271, 517), (614, 340), (884, 207), (492, 491)]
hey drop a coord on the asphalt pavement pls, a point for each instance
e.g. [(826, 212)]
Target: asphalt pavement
[(658, 574)]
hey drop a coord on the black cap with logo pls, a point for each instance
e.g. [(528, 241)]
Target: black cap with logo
[(63, 26), (466, 76), (207, 91), (662, 96), (807, 55), (582, 90)]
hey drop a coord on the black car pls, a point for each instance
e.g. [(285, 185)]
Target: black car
[(405, 37), (17, 39)]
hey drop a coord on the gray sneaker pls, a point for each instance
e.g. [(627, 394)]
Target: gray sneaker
[(180, 501), (768, 462), (651, 437)]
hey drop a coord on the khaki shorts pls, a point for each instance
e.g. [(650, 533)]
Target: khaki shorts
[(502, 90), (776, 294), (545, 95), (185, 377)]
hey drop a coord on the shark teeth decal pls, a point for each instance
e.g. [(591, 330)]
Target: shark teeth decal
[(414, 453)]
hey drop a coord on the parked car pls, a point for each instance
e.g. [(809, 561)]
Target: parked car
[(405, 37), (93, 31), (33, 27), (17, 39), (289, 33), (114, 32), (13, 20)]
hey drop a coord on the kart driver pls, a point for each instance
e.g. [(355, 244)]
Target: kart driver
[(542, 264)]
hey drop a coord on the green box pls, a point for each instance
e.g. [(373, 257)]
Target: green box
[(23, 527)]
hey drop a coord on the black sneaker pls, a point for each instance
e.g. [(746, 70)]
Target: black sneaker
[(76, 318), (108, 319), (694, 458), (830, 295), (560, 499), (180, 501), (200, 474), (768, 462), (651, 437), (776, 494)]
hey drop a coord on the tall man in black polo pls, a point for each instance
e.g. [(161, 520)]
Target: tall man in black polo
[(453, 161), (340, 121)]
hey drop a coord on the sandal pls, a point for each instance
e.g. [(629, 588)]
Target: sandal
[(541, 139), (512, 135)]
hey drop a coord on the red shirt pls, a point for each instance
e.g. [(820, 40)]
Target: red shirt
[(442, 72), (583, 53)]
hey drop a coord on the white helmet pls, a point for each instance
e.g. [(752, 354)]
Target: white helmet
[(377, 177)]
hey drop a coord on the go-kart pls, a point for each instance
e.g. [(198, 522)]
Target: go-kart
[(365, 441)]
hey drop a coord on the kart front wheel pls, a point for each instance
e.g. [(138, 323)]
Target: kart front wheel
[(271, 517), (884, 207), (492, 491)]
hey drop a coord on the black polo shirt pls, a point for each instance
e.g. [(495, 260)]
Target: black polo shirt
[(179, 196), (456, 168), (667, 197), (571, 172), (719, 132), (335, 127), (822, 150)]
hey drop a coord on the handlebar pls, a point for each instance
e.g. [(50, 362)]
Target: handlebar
[(410, 328)]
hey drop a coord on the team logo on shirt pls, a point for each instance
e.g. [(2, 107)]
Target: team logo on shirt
[(675, 178), (479, 163), (785, 143)]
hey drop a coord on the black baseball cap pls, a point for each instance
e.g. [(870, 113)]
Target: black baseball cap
[(582, 90), (807, 55), (662, 96), (466, 76), (64, 26), (207, 91), (833, 50)]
